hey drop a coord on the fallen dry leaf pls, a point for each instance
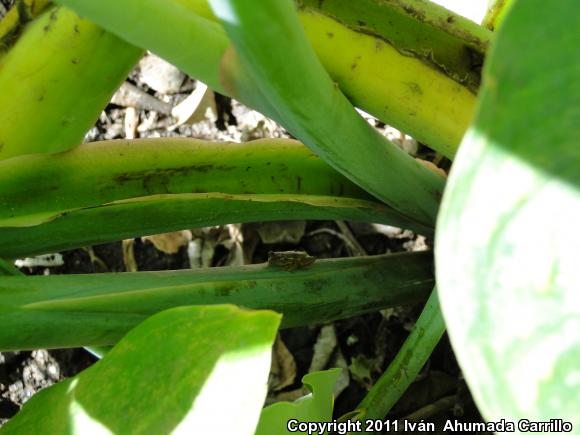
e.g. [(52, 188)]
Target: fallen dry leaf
[(169, 243), (433, 167), (283, 368), (129, 255), (196, 106)]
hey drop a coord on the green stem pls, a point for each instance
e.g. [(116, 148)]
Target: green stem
[(36, 188), (400, 83), (88, 310), (318, 113), (106, 191), (56, 79), (428, 31), (407, 363)]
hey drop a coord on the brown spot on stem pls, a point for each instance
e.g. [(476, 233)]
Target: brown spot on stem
[(414, 88)]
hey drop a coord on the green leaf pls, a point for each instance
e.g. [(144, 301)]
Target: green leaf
[(106, 191), (87, 310), (164, 213), (315, 407), (508, 236), (199, 370), (56, 80), (338, 42), (274, 49), (41, 187), (8, 269)]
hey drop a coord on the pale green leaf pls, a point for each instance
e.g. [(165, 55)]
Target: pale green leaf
[(508, 237), (315, 407), (194, 370)]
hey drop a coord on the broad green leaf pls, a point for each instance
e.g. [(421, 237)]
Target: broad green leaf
[(194, 370), (508, 238), (315, 407), (88, 310)]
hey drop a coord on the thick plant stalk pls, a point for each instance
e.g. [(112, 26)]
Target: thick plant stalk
[(12, 24), (106, 191), (451, 43), (56, 79), (413, 65), (436, 111), (317, 112), (83, 310), (407, 363), (35, 188)]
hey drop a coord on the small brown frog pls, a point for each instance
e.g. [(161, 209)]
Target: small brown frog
[(290, 260)]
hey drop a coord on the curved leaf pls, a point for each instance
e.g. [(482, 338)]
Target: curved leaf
[(56, 80), (36, 188), (508, 237), (163, 213), (80, 310), (315, 407), (274, 49), (209, 362)]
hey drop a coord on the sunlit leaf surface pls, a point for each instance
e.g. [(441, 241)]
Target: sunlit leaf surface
[(315, 407), (180, 371), (508, 242)]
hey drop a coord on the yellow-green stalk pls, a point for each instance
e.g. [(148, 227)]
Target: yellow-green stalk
[(413, 65), (106, 191), (12, 24), (56, 78), (430, 97)]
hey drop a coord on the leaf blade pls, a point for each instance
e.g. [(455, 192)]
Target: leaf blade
[(505, 252), (77, 310), (176, 388)]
